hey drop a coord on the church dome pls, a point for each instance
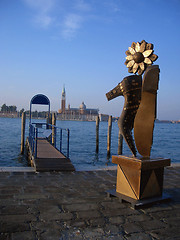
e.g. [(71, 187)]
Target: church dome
[(82, 106)]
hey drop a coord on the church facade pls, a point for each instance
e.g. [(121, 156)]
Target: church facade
[(80, 114)]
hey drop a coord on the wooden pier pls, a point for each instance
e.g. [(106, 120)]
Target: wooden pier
[(48, 157)]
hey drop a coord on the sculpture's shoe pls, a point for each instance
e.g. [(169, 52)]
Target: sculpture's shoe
[(130, 88), (146, 114)]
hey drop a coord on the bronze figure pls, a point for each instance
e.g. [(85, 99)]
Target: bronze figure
[(130, 88), (139, 109)]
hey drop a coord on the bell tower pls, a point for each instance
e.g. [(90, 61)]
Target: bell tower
[(63, 100)]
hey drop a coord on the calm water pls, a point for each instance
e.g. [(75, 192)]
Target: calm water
[(83, 142)]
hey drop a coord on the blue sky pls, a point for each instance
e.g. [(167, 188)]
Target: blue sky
[(45, 44)]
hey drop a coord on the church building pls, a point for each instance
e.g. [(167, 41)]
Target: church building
[(81, 114)]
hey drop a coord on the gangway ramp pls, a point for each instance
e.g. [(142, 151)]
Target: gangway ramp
[(49, 158)]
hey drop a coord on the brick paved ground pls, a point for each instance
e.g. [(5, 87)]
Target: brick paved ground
[(75, 206)]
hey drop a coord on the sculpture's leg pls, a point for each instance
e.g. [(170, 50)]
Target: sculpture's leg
[(144, 120), (127, 135), (131, 87)]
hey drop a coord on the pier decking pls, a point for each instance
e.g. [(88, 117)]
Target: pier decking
[(48, 158)]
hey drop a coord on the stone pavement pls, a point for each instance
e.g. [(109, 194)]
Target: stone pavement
[(35, 206)]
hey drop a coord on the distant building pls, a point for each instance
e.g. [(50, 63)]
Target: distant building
[(63, 101), (81, 114), (103, 117)]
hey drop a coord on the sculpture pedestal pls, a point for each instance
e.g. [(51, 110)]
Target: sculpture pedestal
[(139, 181)]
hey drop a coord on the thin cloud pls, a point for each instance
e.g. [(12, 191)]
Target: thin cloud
[(43, 8), (71, 24), (81, 5), (68, 16)]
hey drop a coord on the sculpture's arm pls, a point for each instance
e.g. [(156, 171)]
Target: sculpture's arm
[(115, 92)]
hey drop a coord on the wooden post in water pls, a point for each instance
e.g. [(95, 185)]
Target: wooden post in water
[(97, 134), (53, 129), (109, 136), (49, 120), (120, 143), (23, 123)]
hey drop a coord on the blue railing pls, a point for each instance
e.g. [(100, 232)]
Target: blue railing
[(55, 135)]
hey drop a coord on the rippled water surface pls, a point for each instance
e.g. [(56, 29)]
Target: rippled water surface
[(83, 142)]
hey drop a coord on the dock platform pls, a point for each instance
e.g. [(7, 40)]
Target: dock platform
[(48, 157)]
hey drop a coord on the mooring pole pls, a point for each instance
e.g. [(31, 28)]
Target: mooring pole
[(109, 136), (48, 120), (23, 123), (97, 134), (120, 143), (53, 129)]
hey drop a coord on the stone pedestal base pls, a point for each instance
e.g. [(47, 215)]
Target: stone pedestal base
[(139, 179)]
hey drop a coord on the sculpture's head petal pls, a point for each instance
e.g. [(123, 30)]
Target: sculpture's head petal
[(143, 46), (147, 53), (147, 61), (132, 51), (141, 65), (129, 57), (137, 48), (153, 57), (128, 52), (149, 46), (140, 71), (130, 63), (135, 67)]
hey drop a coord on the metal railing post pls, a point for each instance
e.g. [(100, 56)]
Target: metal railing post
[(55, 137), (36, 136), (60, 140), (68, 144)]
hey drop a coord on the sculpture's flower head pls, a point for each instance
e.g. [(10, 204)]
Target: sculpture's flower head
[(139, 56)]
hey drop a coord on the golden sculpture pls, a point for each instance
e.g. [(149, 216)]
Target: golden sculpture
[(139, 109), (139, 179)]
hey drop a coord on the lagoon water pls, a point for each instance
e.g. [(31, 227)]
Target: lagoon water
[(83, 142)]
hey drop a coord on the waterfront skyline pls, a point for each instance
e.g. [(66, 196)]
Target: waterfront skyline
[(48, 43)]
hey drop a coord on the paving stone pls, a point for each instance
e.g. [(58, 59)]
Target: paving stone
[(88, 214), (165, 233), (17, 218), (10, 227), (119, 212), (31, 196), (93, 233), (79, 223), (32, 189), (132, 228), (153, 224), (138, 236), (13, 210), (41, 226), (117, 220), (27, 235), (48, 216), (50, 235), (74, 234), (5, 236), (138, 218), (166, 214), (113, 237), (75, 206), (80, 207), (157, 208), (113, 205), (112, 229), (97, 222)]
